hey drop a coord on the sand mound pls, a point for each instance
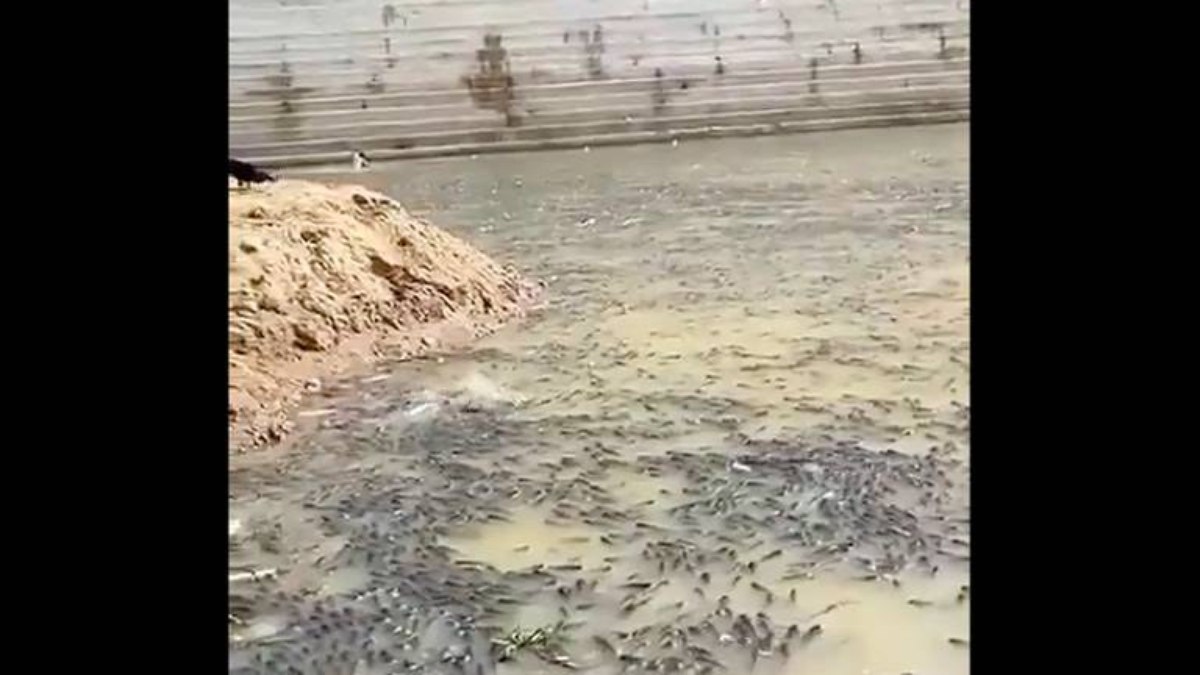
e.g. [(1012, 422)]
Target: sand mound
[(323, 277)]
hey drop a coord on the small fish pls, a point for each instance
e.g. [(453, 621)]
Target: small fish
[(631, 605), (958, 642), (794, 576), (605, 645)]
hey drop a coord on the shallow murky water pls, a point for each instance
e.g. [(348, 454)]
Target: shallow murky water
[(736, 440)]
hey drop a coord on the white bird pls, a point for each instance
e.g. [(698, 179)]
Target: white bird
[(360, 160)]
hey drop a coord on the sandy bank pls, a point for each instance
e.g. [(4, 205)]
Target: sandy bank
[(322, 278)]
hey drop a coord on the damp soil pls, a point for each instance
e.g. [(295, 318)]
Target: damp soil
[(736, 440)]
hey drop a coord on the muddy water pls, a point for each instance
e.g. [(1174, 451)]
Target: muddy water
[(735, 441)]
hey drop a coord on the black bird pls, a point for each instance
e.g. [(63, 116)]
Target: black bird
[(248, 173)]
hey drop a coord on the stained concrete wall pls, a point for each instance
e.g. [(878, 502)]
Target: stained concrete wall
[(311, 79)]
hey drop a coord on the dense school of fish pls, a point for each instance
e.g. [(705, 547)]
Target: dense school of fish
[(759, 516)]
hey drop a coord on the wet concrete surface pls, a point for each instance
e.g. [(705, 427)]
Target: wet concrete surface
[(736, 441)]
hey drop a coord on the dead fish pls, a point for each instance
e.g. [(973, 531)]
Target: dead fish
[(828, 608), (723, 606), (629, 606), (773, 554), (795, 576), (605, 645)]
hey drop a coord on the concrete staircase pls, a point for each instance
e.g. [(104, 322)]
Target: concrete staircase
[(311, 79)]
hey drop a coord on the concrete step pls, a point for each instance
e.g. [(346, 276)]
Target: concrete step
[(768, 74), (522, 43), (366, 58), (448, 74), (514, 16), (294, 127), (628, 117), (629, 138), (373, 143)]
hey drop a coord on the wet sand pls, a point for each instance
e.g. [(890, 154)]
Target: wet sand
[(736, 441)]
